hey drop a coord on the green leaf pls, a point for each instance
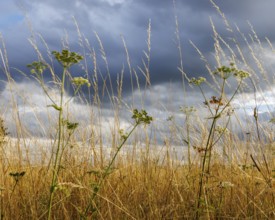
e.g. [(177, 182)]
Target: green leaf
[(56, 107)]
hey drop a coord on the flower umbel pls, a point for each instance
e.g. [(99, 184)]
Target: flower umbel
[(141, 117), (187, 110), (37, 67), (67, 58), (226, 71), (79, 81), (241, 74), (197, 81)]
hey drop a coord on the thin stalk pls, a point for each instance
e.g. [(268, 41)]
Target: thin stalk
[(208, 148), (59, 143), (219, 114), (75, 92), (203, 167), (205, 100), (259, 138), (222, 134), (107, 170), (188, 142)]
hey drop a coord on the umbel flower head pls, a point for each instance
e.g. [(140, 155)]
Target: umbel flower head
[(226, 71), (37, 67), (187, 110), (141, 117), (80, 81), (67, 58), (241, 74), (197, 81)]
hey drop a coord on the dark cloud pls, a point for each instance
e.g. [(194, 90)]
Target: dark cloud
[(112, 18)]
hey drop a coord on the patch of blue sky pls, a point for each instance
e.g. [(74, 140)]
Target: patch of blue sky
[(9, 20)]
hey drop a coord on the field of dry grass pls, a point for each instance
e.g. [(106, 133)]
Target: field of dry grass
[(139, 190), (206, 166)]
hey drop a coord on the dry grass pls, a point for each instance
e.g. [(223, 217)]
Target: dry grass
[(148, 181), (144, 190)]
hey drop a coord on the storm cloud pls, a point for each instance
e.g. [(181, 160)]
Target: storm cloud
[(112, 18)]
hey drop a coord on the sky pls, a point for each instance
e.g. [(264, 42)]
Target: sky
[(114, 20)]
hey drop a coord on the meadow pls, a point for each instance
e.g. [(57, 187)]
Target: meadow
[(193, 162)]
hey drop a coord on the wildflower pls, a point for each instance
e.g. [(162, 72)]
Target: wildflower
[(214, 100), (241, 74), (230, 111), (67, 58), (224, 71), (141, 117), (187, 110), (197, 81), (221, 130), (79, 81), (37, 67), (123, 135)]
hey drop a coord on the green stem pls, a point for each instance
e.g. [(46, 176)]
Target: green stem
[(220, 113), (107, 170), (41, 82), (75, 92), (209, 146), (205, 100), (59, 143), (207, 151)]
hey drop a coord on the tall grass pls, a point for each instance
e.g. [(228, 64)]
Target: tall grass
[(201, 162)]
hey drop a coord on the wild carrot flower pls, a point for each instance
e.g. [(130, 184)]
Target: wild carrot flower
[(79, 81), (197, 81)]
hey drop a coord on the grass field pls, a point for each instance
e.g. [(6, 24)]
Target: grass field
[(214, 160)]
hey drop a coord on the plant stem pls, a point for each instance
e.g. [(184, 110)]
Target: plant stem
[(208, 148), (107, 170), (59, 143), (188, 140)]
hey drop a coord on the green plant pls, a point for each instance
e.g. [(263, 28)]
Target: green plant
[(66, 59), (140, 117), (147, 183), (217, 107)]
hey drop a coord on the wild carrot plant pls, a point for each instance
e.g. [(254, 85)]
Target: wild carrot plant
[(218, 107), (140, 117), (66, 59)]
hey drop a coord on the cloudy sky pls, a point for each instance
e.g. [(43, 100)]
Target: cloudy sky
[(112, 20)]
